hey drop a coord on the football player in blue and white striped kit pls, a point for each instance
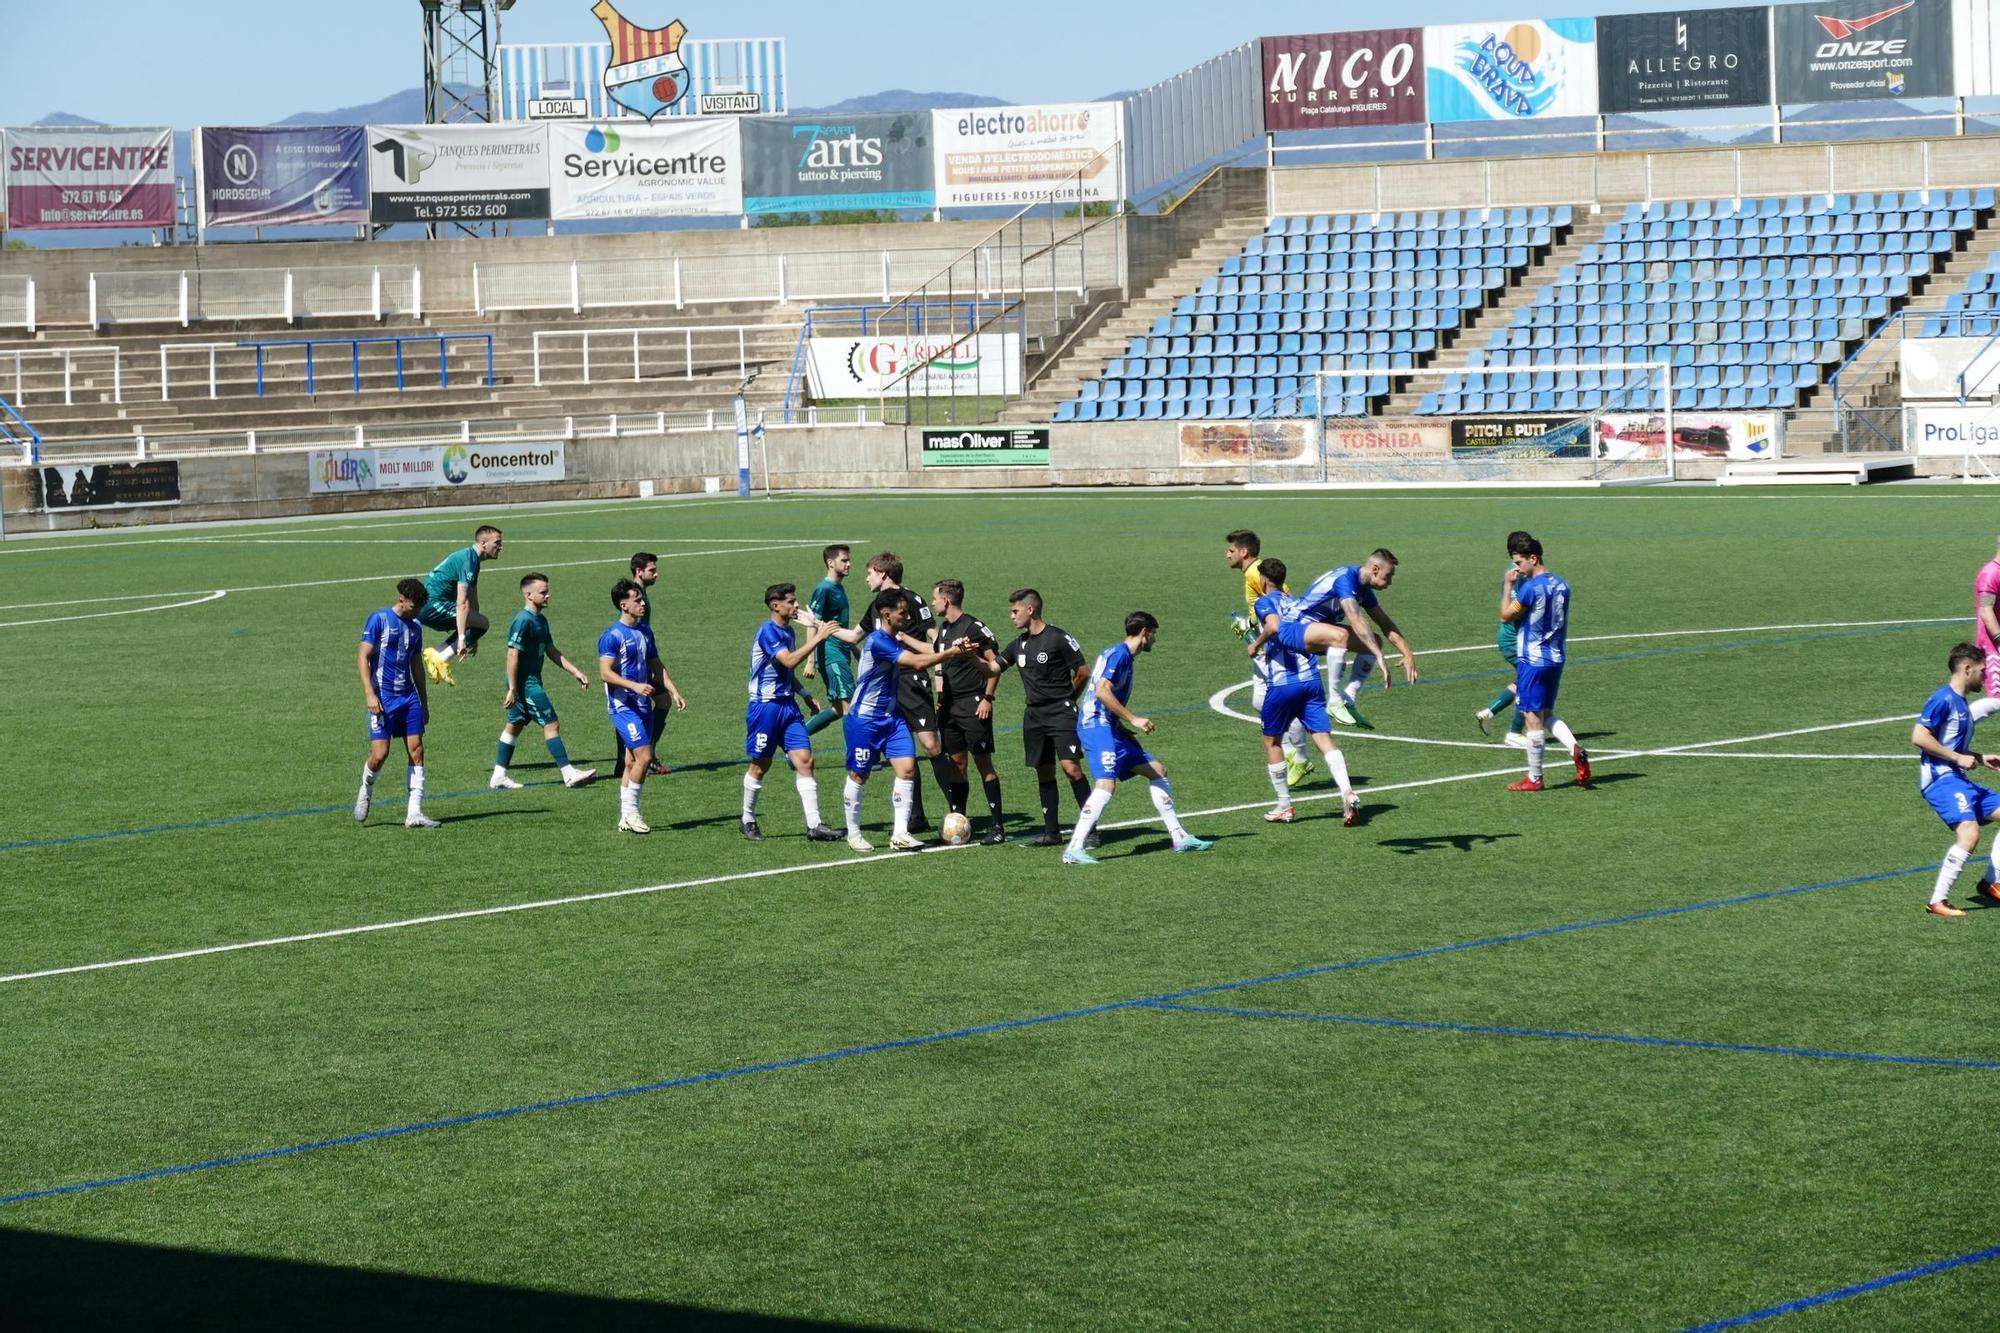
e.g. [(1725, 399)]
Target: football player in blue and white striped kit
[(1943, 736), (1537, 600), (393, 691), (1294, 699), (628, 662), (772, 722), (1331, 615)]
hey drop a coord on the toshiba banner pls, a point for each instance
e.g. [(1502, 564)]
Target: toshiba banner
[(1014, 155), (986, 363), (630, 169), (1332, 79), (1857, 50), (66, 177)]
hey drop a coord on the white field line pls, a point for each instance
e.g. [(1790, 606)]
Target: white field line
[(1487, 647), (432, 541), (215, 596)]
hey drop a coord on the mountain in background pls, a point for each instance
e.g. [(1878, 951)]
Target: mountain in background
[(899, 99)]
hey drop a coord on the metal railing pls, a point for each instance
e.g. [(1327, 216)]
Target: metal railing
[(184, 296), (68, 356), (17, 301), (673, 351), (17, 433), (443, 341)]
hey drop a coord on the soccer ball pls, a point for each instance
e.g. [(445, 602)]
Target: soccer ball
[(956, 830)]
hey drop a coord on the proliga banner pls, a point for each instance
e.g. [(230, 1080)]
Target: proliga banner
[(423, 467), (1525, 70), (66, 177), (631, 169), (1015, 155), (1334, 79), (283, 176)]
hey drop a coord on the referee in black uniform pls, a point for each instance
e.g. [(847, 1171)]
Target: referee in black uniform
[(1053, 668), (913, 688), (965, 703)]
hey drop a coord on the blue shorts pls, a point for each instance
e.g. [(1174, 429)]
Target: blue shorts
[(1292, 634), (873, 740), (1110, 754), (1536, 685), (399, 717), (771, 727), (1303, 703), (634, 728), (1959, 800)]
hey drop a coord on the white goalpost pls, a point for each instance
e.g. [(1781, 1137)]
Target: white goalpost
[(1479, 425)]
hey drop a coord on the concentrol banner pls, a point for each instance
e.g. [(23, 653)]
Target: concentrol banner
[(458, 173), (876, 161), (262, 177), (1331, 79), (1858, 50), (437, 466), (633, 169), (1522, 70), (1684, 60), (1015, 155), (964, 367), (65, 177)]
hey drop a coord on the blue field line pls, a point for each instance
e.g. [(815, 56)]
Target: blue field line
[(908, 1043), (1561, 1034), (1847, 1293)]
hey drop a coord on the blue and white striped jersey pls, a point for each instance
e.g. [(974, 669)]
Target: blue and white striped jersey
[(397, 642), (631, 650), (875, 676), (1545, 629), (1321, 601), (1282, 666), (1114, 664), (770, 680), (1948, 717)]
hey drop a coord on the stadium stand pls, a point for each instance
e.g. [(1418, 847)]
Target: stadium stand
[(1974, 310)]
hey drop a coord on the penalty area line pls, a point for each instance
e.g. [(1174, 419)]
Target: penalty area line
[(202, 600)]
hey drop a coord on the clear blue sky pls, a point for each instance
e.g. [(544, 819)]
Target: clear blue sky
[(247, 62)]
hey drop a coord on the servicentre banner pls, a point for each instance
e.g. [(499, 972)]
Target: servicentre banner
[(1016, 155), (631, 169), (1332, 79), (60, 178), (458, 173), (1684, 60), (797, 166), (282, 176), (1858, 50), (1511, 71)]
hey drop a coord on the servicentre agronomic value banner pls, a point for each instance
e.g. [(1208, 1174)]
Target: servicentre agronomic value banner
[(262, 177), (1014, 155), (797, 166), (65, 177), (630, 169), (1522, 70), (458, 173)]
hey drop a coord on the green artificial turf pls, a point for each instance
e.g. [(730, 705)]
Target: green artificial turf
[(1007, 1131)]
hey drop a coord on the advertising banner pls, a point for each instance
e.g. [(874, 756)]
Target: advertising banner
[(1738, 435), (624, 169), (1545, 433), (1243, 443), (985, 363), (1511, 71), (1932, 368), (1684, 60), (66, 177), (1387, 443), (1015, 155), (458, 173), (1952, 431), (441, 466), (282, 176), (1856, 50), (993, 446), (112, 486), (800, 165), (1333, 79), (1975, 31)]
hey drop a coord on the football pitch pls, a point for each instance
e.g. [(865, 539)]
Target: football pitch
[(1679, 1049)]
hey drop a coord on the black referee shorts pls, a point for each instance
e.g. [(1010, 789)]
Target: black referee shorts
[(960, 731), (1048, 738), (913, 700)]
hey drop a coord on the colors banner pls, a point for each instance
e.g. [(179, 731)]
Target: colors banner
[(281, 176), (1333, 79), (993, 446), (797, 166), (1015, 155), (626, 169), (986, 363), (1684, 60), (1528, 70), (67, 177), (458, 173), (442, 466), (1859, 50)]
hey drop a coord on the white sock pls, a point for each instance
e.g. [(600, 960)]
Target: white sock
[(1086, 818), (1163, 801), (1358, 672), (416, 789), (368, 776), (850, 804), (752, 788), (1984, 708), (1954, 861), (1564, 736), (1295, 740), (1993, 860), (809, 799), (901, 797), (1336, 662), (1336, 764), (450, 649), (1283, 789), (1537, 743), (628, 798)]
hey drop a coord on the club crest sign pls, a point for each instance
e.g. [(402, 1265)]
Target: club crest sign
[(646, 75)]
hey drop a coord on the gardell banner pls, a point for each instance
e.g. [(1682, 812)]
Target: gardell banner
[(1332, 79), (425, 467), (630, 169), (1527, 70), (1858, 50), (268, 177), (802, 165), (1015, 155), (65, 177), (458, 173), (985, 363), (1684, 60)]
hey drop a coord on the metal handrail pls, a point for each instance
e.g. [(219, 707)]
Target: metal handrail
[(28, 440), (688, 334), (443, 340), (68, 355)]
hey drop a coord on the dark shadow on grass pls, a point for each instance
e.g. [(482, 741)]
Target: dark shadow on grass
[(1613, 779), (67, 1282), (1463, 842), (471, 815)]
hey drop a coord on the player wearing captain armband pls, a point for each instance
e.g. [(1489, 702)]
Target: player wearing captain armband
[(1943, 737), (1295, 700), (1332, 615), (1242, 549)]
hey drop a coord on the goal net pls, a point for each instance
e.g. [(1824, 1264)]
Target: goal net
[(1601, 422)]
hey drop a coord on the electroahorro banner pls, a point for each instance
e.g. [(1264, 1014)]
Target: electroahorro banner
[(281, 176), (439, 466), (1522, 70), (1684, 60), (73, 176), (1857, 50), (631, 169), (458, 173), (1331, 79), (1014, 155), (800, 165)]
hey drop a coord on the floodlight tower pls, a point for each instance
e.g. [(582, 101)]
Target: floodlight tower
[(461, 70)]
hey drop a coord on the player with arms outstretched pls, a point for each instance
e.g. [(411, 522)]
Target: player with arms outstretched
[(451, 603), (1943, 737), (529, 643), (1296, 698), (628, 662), (393, 692), (772, 722), (1334, 613), (1243, 550), (1537, 599)]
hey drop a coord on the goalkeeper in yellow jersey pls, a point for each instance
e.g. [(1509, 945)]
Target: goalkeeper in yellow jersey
[(1242, 551)]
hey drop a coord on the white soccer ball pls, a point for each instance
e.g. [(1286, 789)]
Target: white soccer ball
[(956, 830)]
